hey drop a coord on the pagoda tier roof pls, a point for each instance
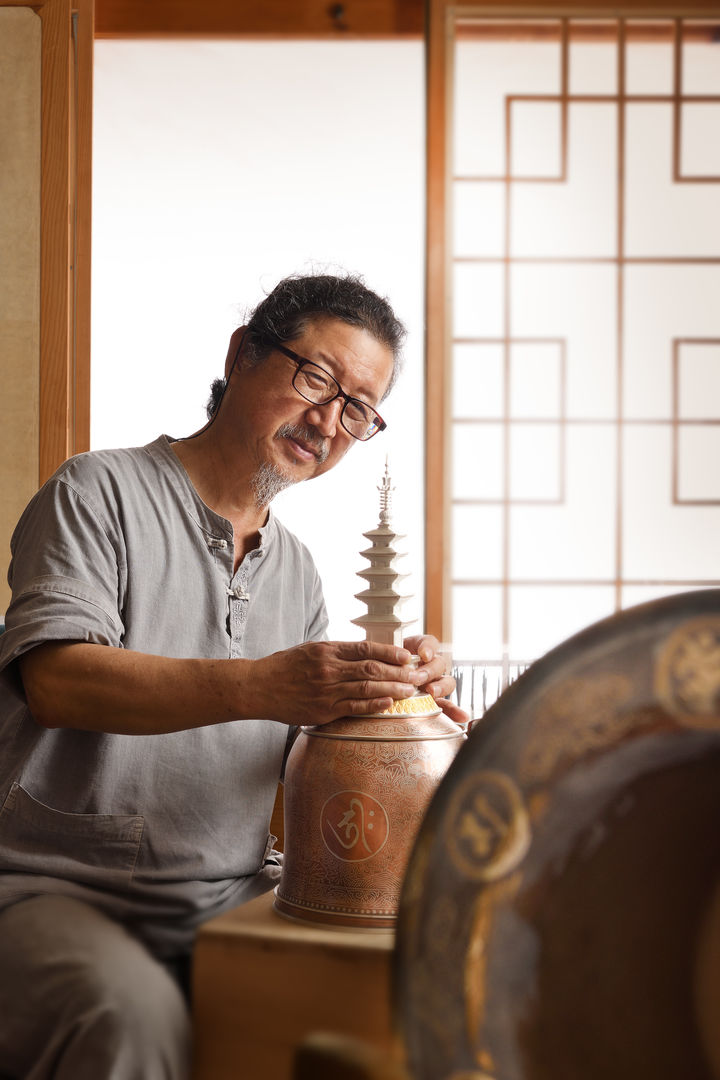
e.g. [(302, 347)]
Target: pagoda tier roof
[(384, 532), (386, 553), (386, 621), (386, 617), (381, 573), (381, 594)]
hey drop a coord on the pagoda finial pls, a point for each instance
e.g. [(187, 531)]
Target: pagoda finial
[(385, 488)]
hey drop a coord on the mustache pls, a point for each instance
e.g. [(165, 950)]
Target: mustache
[(307, 437)]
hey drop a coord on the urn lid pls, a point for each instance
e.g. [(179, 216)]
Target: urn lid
[(389, 728)]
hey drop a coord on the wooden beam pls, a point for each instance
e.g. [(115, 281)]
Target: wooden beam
[(585, 9), (259, 18), (646, 30)]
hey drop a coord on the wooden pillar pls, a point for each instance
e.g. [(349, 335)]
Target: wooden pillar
[(45, 238)]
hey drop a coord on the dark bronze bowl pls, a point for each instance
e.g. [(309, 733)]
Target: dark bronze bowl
[(560, 917)]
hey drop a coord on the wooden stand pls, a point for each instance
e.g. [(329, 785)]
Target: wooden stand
[(262, 984)]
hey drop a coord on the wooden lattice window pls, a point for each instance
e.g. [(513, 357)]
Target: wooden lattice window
[(573, 319)]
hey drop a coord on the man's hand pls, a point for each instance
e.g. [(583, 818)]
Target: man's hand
[(436, 679), (324, 680)]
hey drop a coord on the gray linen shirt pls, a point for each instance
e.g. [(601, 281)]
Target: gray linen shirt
[(162, 831)]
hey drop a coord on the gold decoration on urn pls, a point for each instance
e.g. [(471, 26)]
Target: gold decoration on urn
[(356, 789)]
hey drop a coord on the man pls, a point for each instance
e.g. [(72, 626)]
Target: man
[(158, 610)]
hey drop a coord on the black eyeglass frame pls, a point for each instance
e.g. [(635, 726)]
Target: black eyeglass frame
[(302, 362)]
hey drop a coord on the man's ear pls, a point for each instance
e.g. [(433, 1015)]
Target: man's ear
[(234, 348)]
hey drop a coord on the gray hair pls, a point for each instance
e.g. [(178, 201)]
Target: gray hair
[(297, 301)]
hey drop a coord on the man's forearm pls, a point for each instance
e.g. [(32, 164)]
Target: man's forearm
[(99, 688)]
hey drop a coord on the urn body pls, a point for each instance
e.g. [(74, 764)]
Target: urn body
[(355, 793)]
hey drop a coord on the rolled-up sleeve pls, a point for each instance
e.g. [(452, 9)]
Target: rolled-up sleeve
[(67, 575)]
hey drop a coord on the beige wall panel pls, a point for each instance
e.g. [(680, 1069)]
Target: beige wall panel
[(20, 86)]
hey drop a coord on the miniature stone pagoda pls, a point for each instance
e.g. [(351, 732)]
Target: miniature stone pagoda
[(382, 623)]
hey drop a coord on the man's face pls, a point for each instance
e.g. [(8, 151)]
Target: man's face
[(278, 428)]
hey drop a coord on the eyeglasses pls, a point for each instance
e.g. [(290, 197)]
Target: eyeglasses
[(317, 385)]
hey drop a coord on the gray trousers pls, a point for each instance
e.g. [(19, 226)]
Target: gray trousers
[(82, 999)]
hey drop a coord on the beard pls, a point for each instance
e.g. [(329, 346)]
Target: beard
[(270, 480)]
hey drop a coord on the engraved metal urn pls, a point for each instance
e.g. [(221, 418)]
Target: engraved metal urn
[(356, 789)]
